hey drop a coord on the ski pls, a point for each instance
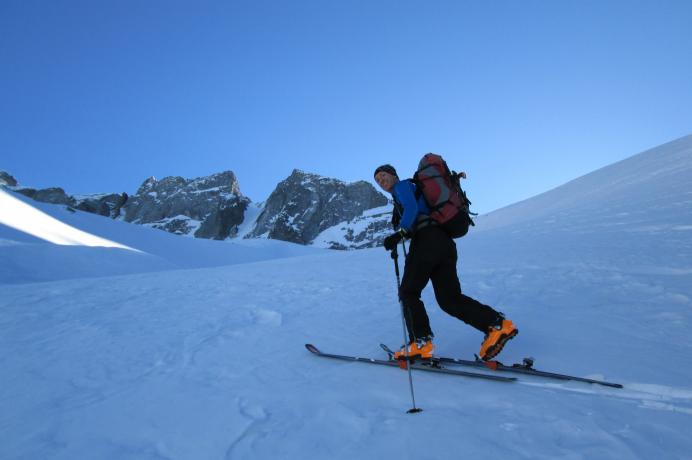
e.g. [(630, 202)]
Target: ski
[(439, 369), (525, 368)]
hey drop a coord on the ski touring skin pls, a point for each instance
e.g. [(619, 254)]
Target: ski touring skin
[(525, 368), (393, 363)]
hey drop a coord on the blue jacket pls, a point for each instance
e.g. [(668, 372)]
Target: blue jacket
[(404, 194)]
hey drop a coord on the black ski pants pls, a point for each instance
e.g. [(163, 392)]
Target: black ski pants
[(433, 257)]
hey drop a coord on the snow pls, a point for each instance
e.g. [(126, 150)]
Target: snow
[(191, 225), (91, 196), (252, 213), (197, 360), (21, 216), (620, 194), (336, 234), (31, 257)]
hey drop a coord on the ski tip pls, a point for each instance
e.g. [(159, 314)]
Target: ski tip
[(311, 348)]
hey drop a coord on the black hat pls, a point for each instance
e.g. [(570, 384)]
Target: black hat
[(386, 168)]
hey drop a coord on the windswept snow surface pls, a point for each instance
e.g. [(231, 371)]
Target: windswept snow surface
[(25, 218), (209, 363)]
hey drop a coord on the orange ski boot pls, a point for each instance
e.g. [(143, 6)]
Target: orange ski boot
[(418, 349), (496, 338)]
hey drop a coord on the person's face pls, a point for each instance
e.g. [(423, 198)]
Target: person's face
[(385, 180)]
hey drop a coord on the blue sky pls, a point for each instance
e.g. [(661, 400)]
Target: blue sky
[(523, 95)]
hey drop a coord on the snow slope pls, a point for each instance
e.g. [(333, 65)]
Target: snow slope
[(46, 242), (209, 362), (646, 193)]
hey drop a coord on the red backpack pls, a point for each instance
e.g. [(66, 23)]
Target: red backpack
[(448, 204)]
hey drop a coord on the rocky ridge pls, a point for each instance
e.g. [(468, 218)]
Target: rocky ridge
[(206, 207), (305, 208), (304, 205), (104, 204)]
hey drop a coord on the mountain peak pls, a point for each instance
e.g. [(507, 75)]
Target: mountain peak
[(206, 207), (7, 179), (305, 204)]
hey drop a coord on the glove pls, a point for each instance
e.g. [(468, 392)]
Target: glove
[(391, 241)]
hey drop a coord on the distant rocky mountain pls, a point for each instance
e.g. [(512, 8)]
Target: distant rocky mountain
[(7, 179), (54, 195), (305, 208), (207, 207), (304, 205), (105, 204)]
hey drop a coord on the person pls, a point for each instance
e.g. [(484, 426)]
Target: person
[(432, 257)]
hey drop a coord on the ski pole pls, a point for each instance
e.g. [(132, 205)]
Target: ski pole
[(395, 256)]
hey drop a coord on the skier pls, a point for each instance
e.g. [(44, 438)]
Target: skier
[(433, 257)]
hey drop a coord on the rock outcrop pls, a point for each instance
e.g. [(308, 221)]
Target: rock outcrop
[(207, 207), (304, 205)]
